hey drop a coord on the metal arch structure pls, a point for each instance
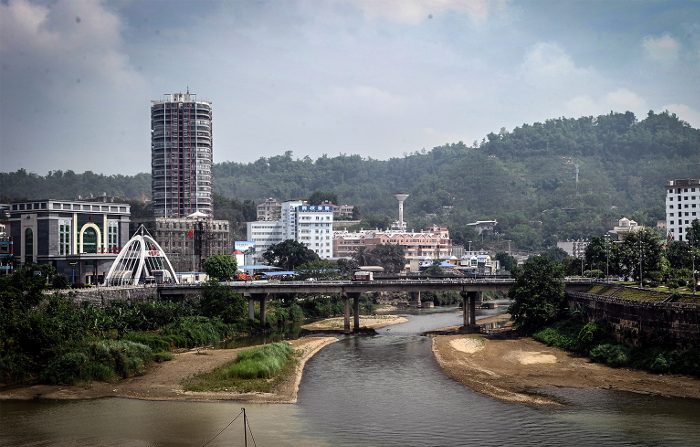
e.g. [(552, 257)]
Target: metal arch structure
[(138, 259)]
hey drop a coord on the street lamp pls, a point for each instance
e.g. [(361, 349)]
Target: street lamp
[(470, 246), (607, 258), (641, 271)]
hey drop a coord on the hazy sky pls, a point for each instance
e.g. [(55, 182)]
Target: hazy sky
[(379, 78)]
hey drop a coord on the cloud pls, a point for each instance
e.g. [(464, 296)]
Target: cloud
[(546, 61), (413, 12), (664, 48), (684, 112), (66, 80), (619, 100)]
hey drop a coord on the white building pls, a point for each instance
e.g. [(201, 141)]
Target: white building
[(264, 233), (682, 207), (575, 248), (312, 225)]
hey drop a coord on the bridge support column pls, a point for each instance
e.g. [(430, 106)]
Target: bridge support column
[(415, 299), (262, 298), (346, 314), (469, 309), (251, 308), (356, 312)]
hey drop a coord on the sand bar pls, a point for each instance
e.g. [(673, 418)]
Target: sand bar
[(164, 380)]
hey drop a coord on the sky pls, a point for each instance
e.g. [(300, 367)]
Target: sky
[(379, 78)]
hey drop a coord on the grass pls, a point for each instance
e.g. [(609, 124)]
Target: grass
[(259, 369), (629, 293)]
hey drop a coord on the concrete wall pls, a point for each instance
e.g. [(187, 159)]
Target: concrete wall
[(100, 296), (636, 323)]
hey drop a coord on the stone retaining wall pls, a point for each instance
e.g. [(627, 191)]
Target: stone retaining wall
[(99, 296), (637, 322)]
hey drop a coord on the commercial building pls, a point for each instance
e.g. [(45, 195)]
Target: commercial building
[(188, 241), (682, 207), (429, 244), (181, 156), (80, 238), (311, 225)]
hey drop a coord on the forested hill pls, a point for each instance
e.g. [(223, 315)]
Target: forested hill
[(524, 178)]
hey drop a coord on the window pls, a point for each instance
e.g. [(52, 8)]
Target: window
[(112, 236), (28, 246), (64, 237), (89, 241)]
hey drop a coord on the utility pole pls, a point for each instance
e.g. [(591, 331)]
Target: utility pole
[(245, 428), (641, 272), (607, 258)]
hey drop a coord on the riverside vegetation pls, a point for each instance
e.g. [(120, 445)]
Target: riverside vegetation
[(539, 309), (45, 338)]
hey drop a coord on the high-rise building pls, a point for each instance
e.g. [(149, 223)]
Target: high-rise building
[(682, 207), (181, 155)]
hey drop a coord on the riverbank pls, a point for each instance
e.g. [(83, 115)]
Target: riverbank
[(164, 380), (520, 370), (366, 321)]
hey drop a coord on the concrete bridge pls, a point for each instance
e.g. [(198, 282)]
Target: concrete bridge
[(469, 288)]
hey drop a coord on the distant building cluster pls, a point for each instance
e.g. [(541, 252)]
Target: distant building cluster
[(271, 210), (311, 225)]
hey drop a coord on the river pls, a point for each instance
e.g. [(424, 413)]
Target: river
[(383, 390)]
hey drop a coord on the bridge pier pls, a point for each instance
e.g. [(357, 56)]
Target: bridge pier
[(262, 298), (469, 309), (347, 296), (415, 299), (251, 308), (346, 314)]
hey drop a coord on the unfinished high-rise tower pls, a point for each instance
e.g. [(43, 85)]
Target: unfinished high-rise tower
[(181, 155)]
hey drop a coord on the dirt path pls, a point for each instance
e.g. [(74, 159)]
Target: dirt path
[(513, 370), (164, 380), (366, 321)]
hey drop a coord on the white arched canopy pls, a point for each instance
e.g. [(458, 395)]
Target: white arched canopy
[(139, 259)]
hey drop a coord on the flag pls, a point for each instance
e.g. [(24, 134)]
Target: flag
[(190, 233)]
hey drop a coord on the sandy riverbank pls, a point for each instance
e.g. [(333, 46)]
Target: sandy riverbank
[(366, 321), (514, 370), (164, 380)]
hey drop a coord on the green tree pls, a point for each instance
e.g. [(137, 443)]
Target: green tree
[(538, 294), (598, 253), (289, 254), (221, 267), (318, 269), (220, 301), (389, 256), (318, 197), (645, 244), (506, 261), (679, 255), (556, 254), (693, 234)]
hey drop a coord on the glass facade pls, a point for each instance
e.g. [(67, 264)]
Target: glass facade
[(89, 240), (64, 237)]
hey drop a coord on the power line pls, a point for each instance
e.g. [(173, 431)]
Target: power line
[(222, 430)]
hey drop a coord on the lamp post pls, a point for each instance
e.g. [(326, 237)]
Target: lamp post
[(607, 258), (641, 272), (470, 246)]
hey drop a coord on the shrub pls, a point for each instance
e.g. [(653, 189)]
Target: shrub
[(124, 357), (263, 362), (589, 335), (610, 354), (66, 369), (189, 332), (154, 341)]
